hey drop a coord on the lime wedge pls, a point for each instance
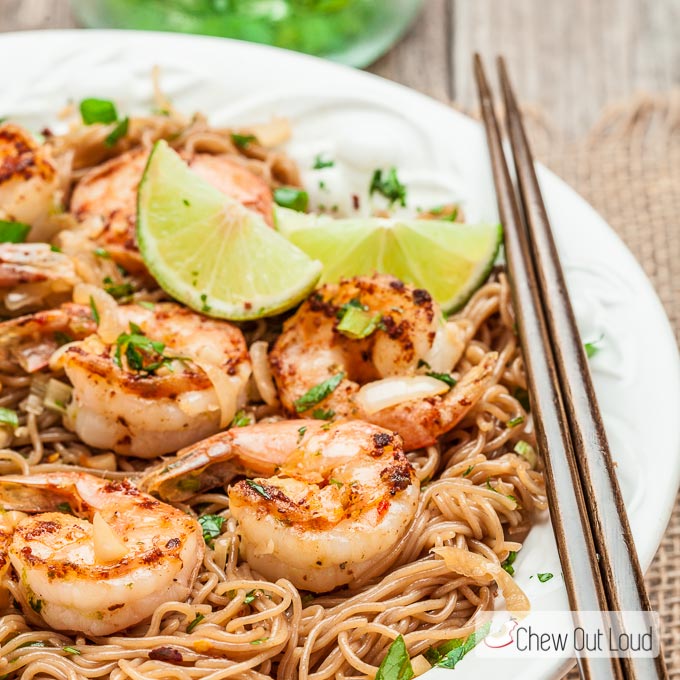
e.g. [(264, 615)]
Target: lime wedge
[(209, 251), (448, 259)]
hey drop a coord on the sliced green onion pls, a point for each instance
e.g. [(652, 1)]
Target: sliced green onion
[(509, 561), (9, 417), (95, 110), (290, 197), (526, 450), (544, 577), (323, 414), (514, 421), (57, 395), (357, 323), (240, 419), (13, 232)]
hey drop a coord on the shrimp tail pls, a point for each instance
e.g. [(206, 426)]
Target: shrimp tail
[(422, 422), (193, 470)]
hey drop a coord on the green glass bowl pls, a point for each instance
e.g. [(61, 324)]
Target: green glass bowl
[(354, 32)]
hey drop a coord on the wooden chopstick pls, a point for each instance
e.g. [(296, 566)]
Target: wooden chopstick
[(568, 510), (619, 565)]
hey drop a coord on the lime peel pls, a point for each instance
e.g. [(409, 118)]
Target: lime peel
[(210, 252), (448, 259)]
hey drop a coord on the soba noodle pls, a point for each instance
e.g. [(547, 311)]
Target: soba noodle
[(478, 495)]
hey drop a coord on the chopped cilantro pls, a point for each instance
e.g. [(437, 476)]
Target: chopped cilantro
[(397, 664), (544, 577), (212, 527), (444, 377), (450, 653), (389, 186), (95, 110), (62, 338), (318, 393), (323, 414), (117, 290), (94, 310), (469, 470), (142, 353), (301, 432), (13, 232), (320, 163), (205, 307), (242, 141), (259, 489), (118, 132), (522, 397), (195, 622)]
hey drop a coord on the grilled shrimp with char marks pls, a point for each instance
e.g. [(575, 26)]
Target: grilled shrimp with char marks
[(326, 503), (32, 339), (165, 379), (105, 567), (31, 182), (382, 377), (106, 197)]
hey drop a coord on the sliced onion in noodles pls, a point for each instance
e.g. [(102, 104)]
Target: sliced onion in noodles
[(110, 324), (478, 567), (276, 131), (381, 394), (262, 373)]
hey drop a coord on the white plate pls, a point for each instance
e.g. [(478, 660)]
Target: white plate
[(366, 122)]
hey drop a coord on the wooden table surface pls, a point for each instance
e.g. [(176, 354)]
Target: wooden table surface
[(569, 57)]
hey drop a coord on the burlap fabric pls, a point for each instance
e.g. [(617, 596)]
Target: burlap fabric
[(628, 168)]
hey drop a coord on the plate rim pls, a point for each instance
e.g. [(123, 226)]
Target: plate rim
[(665, 335)]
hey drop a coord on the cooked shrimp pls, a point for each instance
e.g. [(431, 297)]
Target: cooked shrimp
[(34, 274), (31, 340), (30, 182), (380, 366), (327, 503), (105, 567), (167, 377), (107, 197)]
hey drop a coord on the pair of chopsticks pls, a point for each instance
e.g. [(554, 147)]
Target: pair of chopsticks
[(597, 553)]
